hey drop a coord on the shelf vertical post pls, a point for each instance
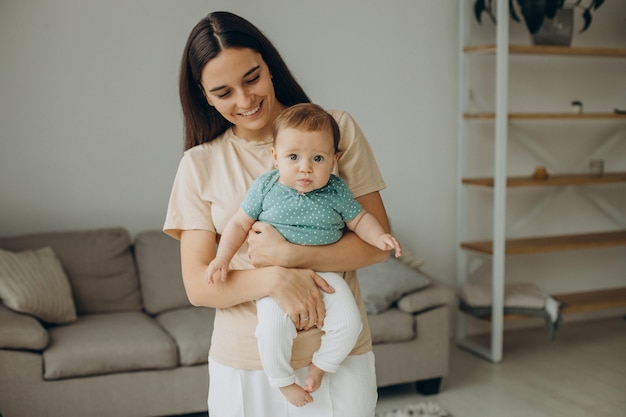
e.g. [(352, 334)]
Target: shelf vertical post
[(463, 80), (500, 170)]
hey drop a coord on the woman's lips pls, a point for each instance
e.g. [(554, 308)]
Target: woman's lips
[(253, 111)]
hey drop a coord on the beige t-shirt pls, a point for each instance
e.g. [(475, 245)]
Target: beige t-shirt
[(210, 184)]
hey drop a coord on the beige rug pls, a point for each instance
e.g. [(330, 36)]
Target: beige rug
[(423, 409)]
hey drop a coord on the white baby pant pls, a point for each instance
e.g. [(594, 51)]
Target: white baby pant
[(275, 332)]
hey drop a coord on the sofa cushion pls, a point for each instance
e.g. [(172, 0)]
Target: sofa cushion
[(191, 329), (20, 331), (384, 283), (391, 326), (108, 343), (158, 264), (33, 282), (98, 263)]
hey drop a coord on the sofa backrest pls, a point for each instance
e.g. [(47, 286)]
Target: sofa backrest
[(98, 263), (158, 263)]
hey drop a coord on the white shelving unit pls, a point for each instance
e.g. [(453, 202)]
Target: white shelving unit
[(499, 247)]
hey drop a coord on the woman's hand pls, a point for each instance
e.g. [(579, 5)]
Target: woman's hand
[(297, 292), (267, 247)]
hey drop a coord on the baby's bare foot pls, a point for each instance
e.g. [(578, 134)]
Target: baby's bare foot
[(314, 378), (296, 395)]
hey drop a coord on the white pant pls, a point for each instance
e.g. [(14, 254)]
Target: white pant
[(275, 333), (349, 392)]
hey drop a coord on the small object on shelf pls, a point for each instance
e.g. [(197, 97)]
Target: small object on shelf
[(541, 173), (577, 106), (619, 111), (524, 299), (596, 167)]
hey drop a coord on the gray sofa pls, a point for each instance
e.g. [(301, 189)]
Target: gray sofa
[(136, 347)]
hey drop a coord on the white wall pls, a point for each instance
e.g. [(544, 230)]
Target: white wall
[(90, 126)]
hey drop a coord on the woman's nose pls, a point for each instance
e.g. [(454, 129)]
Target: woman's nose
[(245, 100)]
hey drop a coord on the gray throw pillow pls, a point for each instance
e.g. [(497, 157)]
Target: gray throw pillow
[(385, 283), (34, 282)]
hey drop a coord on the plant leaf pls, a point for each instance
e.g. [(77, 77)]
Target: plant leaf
[(514, 15), (479, 8), (551, 8), (587, 19), (597, 4), (533, 12)]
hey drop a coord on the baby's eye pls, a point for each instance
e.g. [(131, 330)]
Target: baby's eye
[(293, 157), (318, 158)]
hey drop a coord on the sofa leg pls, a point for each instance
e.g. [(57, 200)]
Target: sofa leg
[(428, 386)]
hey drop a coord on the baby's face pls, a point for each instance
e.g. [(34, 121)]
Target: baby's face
[(305, 159)]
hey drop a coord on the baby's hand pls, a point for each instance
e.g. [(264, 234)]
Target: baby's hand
[(218, 268), (388, 242)]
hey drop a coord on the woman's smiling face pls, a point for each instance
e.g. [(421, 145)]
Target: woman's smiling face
[(237, 82)]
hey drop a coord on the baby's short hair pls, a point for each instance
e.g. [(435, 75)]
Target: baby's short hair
[(308, 117)]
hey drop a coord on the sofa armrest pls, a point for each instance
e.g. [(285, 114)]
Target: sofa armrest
[(434, 295), (20, 331)]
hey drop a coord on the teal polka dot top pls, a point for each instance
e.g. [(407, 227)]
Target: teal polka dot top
[(314, 218)]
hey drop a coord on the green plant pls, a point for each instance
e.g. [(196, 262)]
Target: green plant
[(535, 11)]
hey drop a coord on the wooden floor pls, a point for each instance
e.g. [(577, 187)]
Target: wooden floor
[(582, 373)]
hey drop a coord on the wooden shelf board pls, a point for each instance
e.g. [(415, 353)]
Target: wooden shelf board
[(548, 116), (550, 50), (552, 181), (592, 300), (552, 243), (511, 317)]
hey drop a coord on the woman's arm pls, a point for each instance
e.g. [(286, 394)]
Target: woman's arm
[(267, 247), (295, 290)]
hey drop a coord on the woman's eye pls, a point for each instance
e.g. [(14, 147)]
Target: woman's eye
[(318, 158), (293, 157), (253, 80), (223, 95)]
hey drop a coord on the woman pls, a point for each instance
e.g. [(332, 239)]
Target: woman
[(233, 85)]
